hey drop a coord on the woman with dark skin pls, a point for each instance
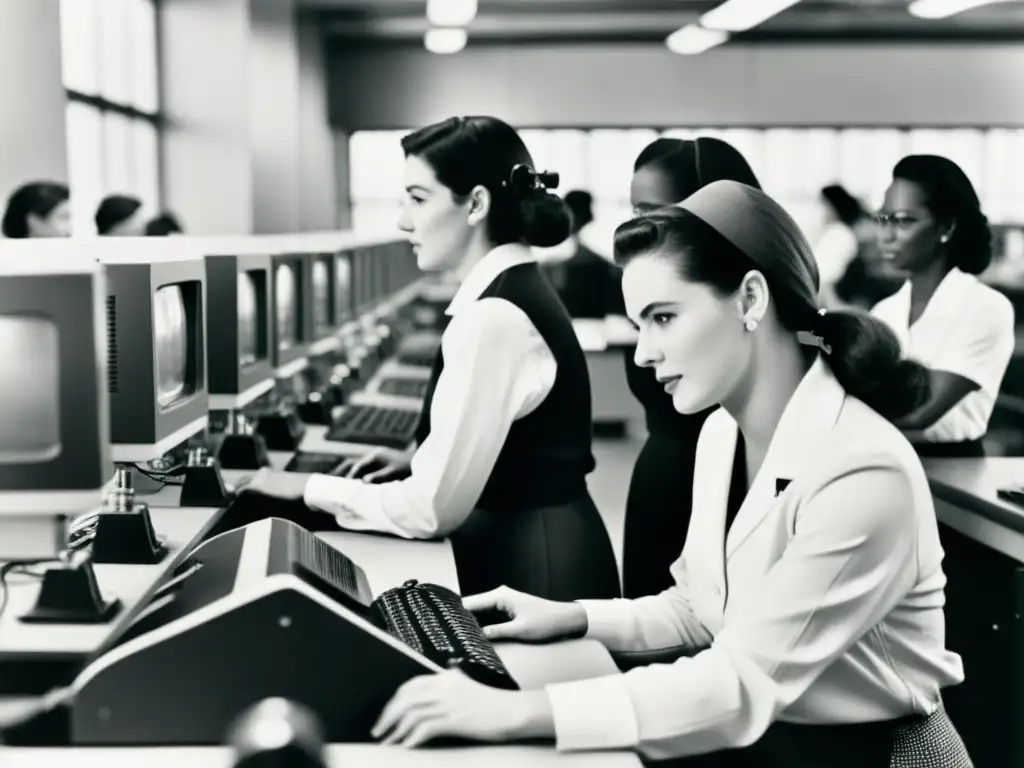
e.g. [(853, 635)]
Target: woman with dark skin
[(660, 491), (932, 229)]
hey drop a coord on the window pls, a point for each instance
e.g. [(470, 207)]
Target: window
[(793, 164), (110, 70)]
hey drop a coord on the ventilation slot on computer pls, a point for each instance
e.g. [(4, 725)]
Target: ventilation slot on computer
[(112, 344)]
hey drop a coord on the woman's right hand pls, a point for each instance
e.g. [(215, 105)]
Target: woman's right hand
[(529, 617), (377, 466)]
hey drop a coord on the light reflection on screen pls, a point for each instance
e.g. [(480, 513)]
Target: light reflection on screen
[(343, 278), (321, 295), (30, 350), (248, 331), (171, 343), (286, 290)]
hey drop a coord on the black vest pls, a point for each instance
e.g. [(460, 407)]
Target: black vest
[(547, 454)]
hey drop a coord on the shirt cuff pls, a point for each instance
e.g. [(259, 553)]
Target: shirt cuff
[(322, 492), (594, 714), (606, 620)]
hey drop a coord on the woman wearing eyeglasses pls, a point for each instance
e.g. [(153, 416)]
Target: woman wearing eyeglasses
[(931, 228)]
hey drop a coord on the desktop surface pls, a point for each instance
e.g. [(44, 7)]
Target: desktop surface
[(337, 756)]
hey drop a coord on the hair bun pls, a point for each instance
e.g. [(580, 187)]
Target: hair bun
[(546, 219)]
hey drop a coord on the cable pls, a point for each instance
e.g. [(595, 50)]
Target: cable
[(159, 477)]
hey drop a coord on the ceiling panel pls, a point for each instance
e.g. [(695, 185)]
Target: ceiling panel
[(585, 21)]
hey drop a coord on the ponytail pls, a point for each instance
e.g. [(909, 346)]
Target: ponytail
[(864, 355)]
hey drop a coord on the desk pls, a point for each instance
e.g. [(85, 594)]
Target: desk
[(387, 562), (983, 539), (338, 755)]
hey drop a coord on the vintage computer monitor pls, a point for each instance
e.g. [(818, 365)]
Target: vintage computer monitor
[(156, 371), (55, 459), (291, 323), (238, 277), (324, 284), (343, 287)]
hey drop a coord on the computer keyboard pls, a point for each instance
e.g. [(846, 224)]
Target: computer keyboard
[(433, 621), (404, 387), (426, 617), (372, 425), (321, 463), (420, 357)]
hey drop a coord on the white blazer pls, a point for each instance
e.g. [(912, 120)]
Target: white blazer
[(822, 605)]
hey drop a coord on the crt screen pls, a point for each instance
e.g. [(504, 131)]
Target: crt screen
[(248, 317), (286, 291), (29, 390), (343, 271), (321, 295), (171, 331)]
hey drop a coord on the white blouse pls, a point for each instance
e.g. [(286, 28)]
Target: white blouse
[(497, 369), (966, 329), (823, 604)]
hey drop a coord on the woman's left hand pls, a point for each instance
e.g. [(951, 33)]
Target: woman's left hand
[(451, 704), (287, 486)]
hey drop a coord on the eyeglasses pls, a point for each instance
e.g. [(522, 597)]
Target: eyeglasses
[(898, 220)]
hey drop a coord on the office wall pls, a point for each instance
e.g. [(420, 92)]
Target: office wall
[(32, 134), (645, 85), (207, 165), (248, 148), (318, 187)]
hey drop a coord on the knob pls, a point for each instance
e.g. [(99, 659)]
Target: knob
[(277, 733)]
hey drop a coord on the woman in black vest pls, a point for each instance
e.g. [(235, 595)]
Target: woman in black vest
[(504, 444), (660, 491)]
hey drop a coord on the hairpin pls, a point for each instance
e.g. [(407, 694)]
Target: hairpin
[(523, 180)]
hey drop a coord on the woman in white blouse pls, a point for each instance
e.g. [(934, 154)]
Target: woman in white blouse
[(805, 626), (932, 228), (504, 442)]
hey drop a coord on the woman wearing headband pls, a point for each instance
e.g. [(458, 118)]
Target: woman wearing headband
[(658, 504), (805, 627), (504, 443)]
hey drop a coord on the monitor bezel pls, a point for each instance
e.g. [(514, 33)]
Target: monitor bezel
[(232, 385)]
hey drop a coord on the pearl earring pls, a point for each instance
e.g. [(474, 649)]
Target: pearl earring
[(944, 239), (751, 324)]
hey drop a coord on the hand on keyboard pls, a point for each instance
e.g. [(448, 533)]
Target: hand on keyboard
[(529, 618), (377, 466), (287, 486)]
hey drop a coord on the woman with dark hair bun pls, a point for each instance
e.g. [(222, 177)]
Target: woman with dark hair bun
[(38, 209), (932, 229), (503, 447), (805, 626), (658, 505)]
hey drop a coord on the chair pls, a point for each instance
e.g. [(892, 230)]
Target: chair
[(932, 742)]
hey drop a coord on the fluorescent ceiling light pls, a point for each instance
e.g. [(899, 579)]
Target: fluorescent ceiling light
[(445, 40), (941, 9), (451, 13), (741, 15), (691, 39)]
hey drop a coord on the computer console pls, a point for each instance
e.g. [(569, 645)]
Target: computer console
[(270, 610)]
